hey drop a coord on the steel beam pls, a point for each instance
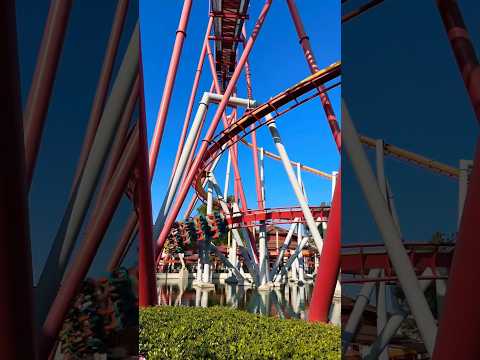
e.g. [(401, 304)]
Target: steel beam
[(17, 339), (211, 131)]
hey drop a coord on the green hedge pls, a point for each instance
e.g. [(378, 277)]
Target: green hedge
[(223, 333)]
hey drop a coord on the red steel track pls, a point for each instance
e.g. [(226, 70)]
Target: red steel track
[(228, 18), (287, 215), (358, 259), (276, 215), (251, 117)]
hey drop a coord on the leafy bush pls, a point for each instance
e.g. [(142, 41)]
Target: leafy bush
[(223, 333)]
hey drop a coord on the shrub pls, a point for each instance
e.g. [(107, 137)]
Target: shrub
[(223, 333)]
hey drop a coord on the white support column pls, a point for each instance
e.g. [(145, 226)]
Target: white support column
[(296, 187), (393, 323), (78, 204), (361, 302), (389, 231), (294, 270), (440, 288), (262, 176), (284, 247), (276, 241), (381, 291), (336, 309), (300, 260), (199, 276), (179, 171), (263, 257), (393, 208), (204, 298), (382, 313), (228, 264), (245, 250), (334, 181), (206, 276), (227, 176)]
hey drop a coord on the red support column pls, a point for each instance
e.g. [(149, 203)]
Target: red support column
[(169, 82), (100, 219), (233, 156), (329, 266), (457, 336), (211, 131), (43, 79), (307, 50), (258, 183), (193, 93), (16, 306), (147, 284), (463, 50), (459, 326)]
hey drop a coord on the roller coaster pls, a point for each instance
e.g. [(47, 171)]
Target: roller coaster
[(115, 160)]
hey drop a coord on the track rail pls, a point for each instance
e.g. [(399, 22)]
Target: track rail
[(358, 259), (414, 158), (251, 117)]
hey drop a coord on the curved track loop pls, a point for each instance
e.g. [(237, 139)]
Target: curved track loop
[(251, 117)]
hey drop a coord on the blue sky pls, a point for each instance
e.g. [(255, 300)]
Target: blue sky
[(402, 84), (68, 114), (276, 61)]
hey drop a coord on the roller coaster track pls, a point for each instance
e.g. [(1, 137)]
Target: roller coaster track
[(241, 127), (358, 259), (413, 158)]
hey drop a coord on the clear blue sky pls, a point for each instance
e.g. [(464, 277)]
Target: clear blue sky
[(402, 84), (277, 62)]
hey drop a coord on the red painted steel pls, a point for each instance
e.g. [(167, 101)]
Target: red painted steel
[(227, 36), (309, 56), (193, 93), (361, 10), (98, 224), (17, 339), (304, 86), (169, 82), (147, 281), (327, 272), (358, 260), (463, 50), (43, 79), (211, 131), (276, 214), (460, 322), (256, 166), (457, 336), (233, 155)]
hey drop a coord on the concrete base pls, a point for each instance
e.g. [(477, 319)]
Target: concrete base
[(204, 285), (266, 287)]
